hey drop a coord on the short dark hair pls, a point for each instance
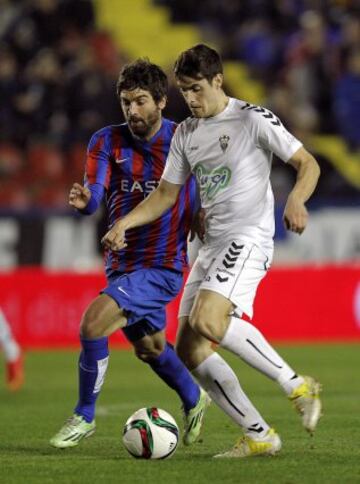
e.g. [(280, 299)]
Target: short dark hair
[(199, 62), (144, 75)]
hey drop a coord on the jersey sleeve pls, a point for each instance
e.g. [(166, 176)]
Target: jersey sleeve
[(98, 166), (270, 134), (97, 194), (177, 168)]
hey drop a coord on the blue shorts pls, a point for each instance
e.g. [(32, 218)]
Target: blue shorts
[(143, 295)]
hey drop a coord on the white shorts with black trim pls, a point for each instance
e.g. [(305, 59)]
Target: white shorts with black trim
[(233, 271)]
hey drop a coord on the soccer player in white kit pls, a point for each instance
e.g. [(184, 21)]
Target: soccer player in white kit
[(228, 144)]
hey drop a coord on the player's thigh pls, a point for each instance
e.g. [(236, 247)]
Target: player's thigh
[(191, 347), (144, 294), (150, 346), (210, 314), (191, 288), (102, 317), (236, 272)]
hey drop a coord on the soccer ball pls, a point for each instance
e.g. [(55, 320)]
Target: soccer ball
[(151, 433)]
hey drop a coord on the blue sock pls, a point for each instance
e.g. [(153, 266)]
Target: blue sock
[(172, 370), (93, 363)]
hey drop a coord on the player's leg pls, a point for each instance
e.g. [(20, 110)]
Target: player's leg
[(222, 385), (161, 357), (148, 339), (152, 290), (244, 340), (241, 338), (154, 350), (13, 355), (212, 371), (101, 318)]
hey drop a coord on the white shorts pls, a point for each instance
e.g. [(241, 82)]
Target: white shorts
[(234, 271)]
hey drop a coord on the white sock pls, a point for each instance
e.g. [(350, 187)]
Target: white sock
[(246, 341), (221, 383), (7, 341)]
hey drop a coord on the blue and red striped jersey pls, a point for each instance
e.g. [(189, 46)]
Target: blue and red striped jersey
[(130, 169)]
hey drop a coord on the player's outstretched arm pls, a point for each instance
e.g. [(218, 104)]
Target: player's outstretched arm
[(150, 209), (308, 172), (79, 196)]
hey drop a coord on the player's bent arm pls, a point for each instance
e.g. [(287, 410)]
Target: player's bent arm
[(308, 172), (96, 191), (150, 209)]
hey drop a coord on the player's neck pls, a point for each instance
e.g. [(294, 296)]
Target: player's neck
[(154, 130), (221, 104)]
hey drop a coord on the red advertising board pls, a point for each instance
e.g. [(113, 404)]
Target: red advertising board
[(293, 304)]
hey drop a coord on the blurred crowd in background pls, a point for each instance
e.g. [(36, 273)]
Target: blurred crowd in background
[(57, 78), (58, 75), (307, 53)]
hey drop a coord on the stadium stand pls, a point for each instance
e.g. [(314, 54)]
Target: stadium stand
[(59, 61), (57, 75)]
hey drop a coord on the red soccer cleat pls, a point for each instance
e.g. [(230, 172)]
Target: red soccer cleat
[(15, 373)]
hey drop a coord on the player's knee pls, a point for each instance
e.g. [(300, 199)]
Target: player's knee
[(209, 321), (192, 355), (149, 348), (90, 327), (147, 355), (91, 331), (202, 324)]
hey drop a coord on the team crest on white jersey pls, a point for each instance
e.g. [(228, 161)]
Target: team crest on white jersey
[(210, 182), (224, 141)]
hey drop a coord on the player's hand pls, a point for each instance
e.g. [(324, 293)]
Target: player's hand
[(295, 215), (79, 196), (114, 239), (198, 226)]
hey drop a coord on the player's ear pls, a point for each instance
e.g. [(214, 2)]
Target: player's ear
[(218, 80), (162, 103)]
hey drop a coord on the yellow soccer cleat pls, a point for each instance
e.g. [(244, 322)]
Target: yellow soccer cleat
[(249, 447), (306, 400)]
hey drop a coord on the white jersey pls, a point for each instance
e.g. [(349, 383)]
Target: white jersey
[(230, 155)]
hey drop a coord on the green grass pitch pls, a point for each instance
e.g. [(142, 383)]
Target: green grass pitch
[(29, 418)]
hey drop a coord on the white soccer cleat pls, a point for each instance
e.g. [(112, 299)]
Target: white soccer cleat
[(306, 400), (249, 447)]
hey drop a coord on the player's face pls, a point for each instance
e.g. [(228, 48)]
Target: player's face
[(141, 112), (201, 96)]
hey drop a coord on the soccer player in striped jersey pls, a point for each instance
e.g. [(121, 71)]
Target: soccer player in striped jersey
[(228, 144), (124, 164)]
